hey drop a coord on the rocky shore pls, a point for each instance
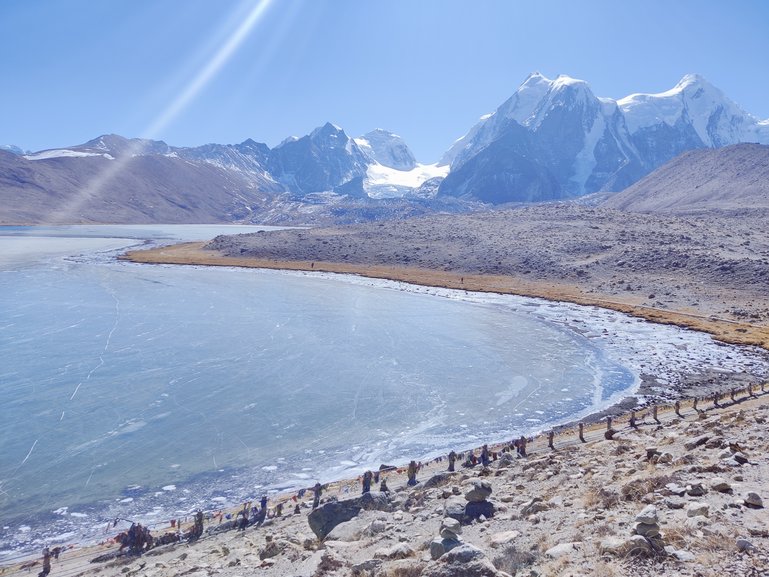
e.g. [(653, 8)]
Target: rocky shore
[(679, 494)]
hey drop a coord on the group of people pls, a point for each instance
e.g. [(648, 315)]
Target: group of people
[(137, 539), (249, 515)]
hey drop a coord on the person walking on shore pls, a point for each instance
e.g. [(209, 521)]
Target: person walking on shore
[(485, 459), (316, 490), (367, 481), (412, 473), (46, 563), (522, 446), (452, 460)]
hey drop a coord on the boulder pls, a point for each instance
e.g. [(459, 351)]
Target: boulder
[(455, 508), (696, 509), (438, 479), (476, 509), (695, 490), (397, 551), (323, 519), (753, 500), (534, 506), (648, 530), (450, 528), (368, 567), (744, 545), (479, 490), (503, 538), (438, 547), (648, 515), (638, 545), (562, 550), (462, 561), (741, 458), (720, 484), (694, 443)]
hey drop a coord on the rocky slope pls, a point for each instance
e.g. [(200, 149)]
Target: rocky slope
[(679, 495), (714, 264), (733, 177)]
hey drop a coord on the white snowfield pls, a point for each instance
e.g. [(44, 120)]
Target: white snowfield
[(385, 182), (63, 152), (696, 99)]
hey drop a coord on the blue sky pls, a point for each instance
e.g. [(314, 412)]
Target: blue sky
[(425, 69)]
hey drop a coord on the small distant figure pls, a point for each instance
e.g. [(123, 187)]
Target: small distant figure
[(522, 446), (297, 509), (316, 491), (367, 476), (46, 563), (452, 460), (412, 473), (485, 459), (279, 510), (376, 476), (243, 517), (383, 486)]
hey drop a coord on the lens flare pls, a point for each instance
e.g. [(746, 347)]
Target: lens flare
[(97, 184)]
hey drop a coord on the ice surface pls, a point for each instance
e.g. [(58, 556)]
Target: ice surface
[(121, 381)]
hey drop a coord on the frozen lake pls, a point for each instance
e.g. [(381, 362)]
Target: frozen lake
[(144, 392)]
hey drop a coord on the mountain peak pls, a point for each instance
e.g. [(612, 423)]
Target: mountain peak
[(328, 129)]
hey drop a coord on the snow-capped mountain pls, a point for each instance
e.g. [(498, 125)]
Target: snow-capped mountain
[(573, 142), (387, 149), (321, 161)]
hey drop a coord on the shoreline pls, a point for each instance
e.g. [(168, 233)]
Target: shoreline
[(724, 330), (646, 392)]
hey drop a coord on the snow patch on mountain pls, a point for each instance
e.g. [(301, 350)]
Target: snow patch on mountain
[(65, 153), (385, 182)]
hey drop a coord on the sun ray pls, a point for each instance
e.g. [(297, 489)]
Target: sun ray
[(69, 211)]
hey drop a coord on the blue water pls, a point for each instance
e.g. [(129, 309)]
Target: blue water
[(147, 391)]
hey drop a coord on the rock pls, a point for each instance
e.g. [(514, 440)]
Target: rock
[(648, 515), (465, 553), (696, 509), (397, 551), (613, 546), (679, 554), (477, 509), (534, 506), (438, 547), (503, 538), (455, 508), (438, 479), (562, 550), (665, 458), (368, 567), (675, 503), (450, 528), (638, 545), (646, 529), (323, 519), (376, 526), (462, 561), (506, 459), (744, 545), (279, 547), (741, 458), (697, 442), (479, 491), (695, 490), (753, 500), (676, 489), (720, 484)]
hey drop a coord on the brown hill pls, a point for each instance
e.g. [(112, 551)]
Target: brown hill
[(139, 189), (727, 178)]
